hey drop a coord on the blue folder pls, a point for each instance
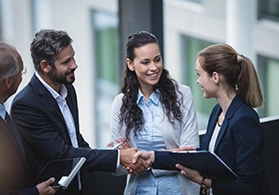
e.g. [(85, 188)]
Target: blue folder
[(207, 163)]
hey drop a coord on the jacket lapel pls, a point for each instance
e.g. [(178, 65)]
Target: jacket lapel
[(52, 105), (48, 99), (210, 127), (230, 112), (72, 106)]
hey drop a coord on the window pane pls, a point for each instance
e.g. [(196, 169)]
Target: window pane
[(107, 69), (195, 1), (1, 18), (270, 84), (191, 46), (269, 9), (6, 20), (39, 20)]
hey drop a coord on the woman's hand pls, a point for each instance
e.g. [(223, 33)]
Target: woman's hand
[(193, 175), (124, 143), (190, 174)]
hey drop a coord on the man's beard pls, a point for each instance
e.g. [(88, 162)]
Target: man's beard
[(61, 78)]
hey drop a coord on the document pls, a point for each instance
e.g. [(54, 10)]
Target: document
[(207, 163), (113, 146), (63, 170)]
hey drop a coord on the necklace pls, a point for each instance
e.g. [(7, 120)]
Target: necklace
[(220, 120)]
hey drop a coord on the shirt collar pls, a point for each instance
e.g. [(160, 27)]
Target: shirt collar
[(155, 96), (63, 89), (2, 111)]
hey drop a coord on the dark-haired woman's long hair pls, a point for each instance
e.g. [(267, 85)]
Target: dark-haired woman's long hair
[(131, 115)]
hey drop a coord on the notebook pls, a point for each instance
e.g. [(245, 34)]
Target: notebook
[(63, 170)]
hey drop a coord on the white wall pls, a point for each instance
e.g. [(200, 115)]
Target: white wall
[(208, 21), (192, 19), (205, 21)]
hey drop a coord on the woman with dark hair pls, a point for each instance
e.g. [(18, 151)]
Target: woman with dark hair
[(153, 112)]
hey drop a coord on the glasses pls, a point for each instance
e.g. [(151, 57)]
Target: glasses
[(24, 71)]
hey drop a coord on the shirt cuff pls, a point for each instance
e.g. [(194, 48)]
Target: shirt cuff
[(118, 160)]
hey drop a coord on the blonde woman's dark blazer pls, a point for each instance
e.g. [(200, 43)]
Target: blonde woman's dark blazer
[(240, 145)]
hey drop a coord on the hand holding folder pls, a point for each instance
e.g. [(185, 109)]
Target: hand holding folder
[(63, 170)]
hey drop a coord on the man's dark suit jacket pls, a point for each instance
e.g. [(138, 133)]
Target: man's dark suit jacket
[(240, 145), (15, 178), (41, 124)]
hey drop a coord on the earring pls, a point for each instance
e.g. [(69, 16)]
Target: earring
[(236, 87)]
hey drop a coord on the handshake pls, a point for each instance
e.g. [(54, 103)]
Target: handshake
[(131, 159), (135, 161)]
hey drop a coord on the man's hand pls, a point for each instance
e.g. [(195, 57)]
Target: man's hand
[(44, 188), (148, 156), (134, 167)]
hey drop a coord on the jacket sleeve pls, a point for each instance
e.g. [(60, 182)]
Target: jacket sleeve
[(29, 191)]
